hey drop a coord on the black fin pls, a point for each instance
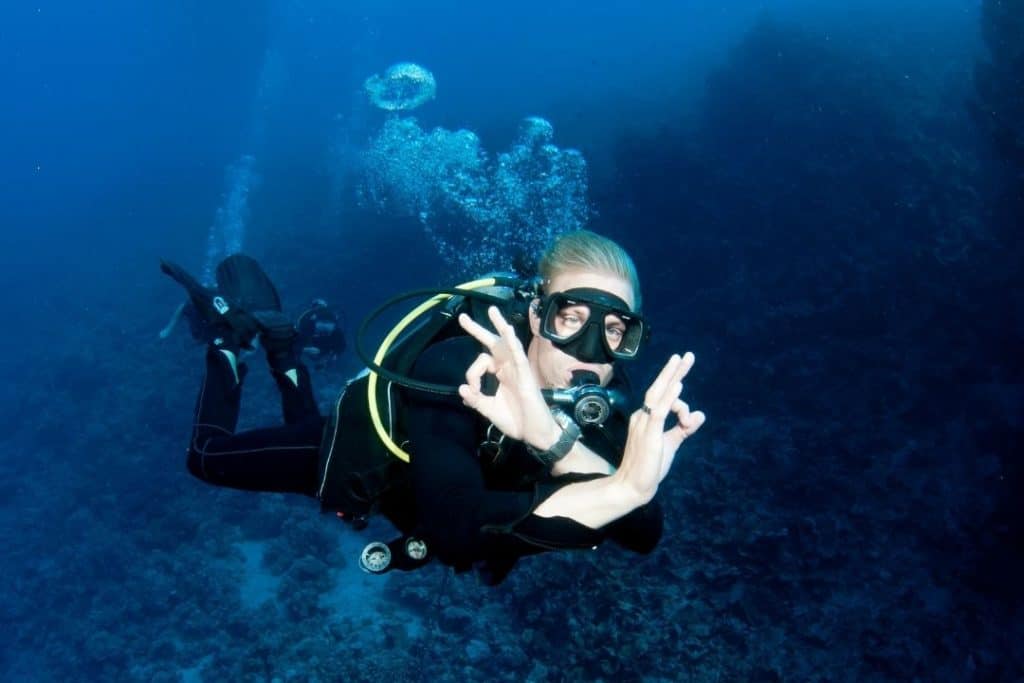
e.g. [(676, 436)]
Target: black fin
[(241, 280)]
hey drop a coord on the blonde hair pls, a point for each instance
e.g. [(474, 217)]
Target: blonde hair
[(588, 251)]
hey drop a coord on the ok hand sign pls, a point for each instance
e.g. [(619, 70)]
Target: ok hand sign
[(650, 448)]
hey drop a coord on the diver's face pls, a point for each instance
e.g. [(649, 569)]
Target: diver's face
[(553, 367)]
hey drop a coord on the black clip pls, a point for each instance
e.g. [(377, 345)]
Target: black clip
[(490, 449)]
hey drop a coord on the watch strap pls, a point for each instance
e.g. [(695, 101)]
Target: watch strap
[(570, 435)]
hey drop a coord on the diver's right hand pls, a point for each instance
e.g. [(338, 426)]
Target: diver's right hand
[(517, 408)]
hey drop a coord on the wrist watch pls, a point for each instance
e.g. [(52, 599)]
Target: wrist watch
[(570, 435)]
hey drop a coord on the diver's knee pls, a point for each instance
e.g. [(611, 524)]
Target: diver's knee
[(194, 463)]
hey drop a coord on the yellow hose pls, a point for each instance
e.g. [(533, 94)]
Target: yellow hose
[(382, 351)]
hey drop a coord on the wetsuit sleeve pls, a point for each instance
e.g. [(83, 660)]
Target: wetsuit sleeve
[(640, 530)]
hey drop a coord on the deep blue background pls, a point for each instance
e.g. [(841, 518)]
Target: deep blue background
[(823, 205)]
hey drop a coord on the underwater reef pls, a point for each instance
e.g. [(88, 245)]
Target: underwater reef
[(825, 235)]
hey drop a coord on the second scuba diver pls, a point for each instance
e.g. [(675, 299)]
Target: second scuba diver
[(531, 450), (320, 334)]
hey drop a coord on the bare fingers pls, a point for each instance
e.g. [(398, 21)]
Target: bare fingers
[(668, 385), (687, 423), (505, 333), (688, 360), (471, 391), (474, 373), (658, 386), (503, 327), (478, 331), (674, 388)]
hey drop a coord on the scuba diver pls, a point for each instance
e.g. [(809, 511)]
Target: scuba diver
[(486, 429), (320, 334)]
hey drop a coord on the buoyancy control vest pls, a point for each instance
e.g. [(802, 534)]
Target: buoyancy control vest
[(358, 468)]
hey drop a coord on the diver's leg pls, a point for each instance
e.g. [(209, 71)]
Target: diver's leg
[(220, 395), (292, 377), (280, 459), (297, 401)]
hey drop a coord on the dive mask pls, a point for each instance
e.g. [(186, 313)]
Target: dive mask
[(592, 325), (589, 403)]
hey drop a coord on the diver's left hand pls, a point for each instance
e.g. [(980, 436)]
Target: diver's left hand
[(518, 409), (650, 448)]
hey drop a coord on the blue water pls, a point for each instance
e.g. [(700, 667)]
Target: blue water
[(823, 201)]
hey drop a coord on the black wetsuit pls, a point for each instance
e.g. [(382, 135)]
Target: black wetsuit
[(282, 458), (471, 510)]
